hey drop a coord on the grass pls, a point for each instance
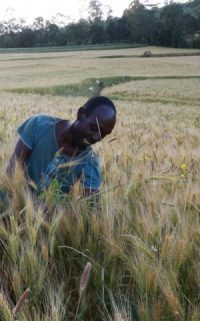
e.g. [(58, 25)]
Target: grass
[(143, 245), (88, 87), (94, 86), (71, 48), (154, 55)]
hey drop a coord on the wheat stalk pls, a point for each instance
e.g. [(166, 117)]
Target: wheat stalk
[(83, 284), (177, 316), (21, 301)]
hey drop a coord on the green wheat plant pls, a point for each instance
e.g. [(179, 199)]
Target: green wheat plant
[(143, 241)]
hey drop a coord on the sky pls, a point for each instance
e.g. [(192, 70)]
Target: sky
[(71, 9)]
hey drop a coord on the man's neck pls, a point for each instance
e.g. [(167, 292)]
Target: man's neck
[(63, 133), (64, 137)]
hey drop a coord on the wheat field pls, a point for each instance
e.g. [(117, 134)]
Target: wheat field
[(138, 256)]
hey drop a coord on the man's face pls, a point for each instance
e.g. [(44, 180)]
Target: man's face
[(88, 130)]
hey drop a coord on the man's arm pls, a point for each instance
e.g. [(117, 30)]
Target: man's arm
[(21, 153)]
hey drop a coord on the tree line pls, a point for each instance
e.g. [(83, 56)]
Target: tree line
[(174, 25)]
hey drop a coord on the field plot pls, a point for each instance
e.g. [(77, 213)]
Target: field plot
[(179, 91), (143, 244), (51, 69)]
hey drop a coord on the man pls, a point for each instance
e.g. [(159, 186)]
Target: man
[(52, 148)]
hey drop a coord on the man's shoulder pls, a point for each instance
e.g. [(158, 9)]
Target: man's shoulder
[(43, 119), (38, 122), (36, 127)]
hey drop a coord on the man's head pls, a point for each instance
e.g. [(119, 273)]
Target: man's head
[(95, 120)]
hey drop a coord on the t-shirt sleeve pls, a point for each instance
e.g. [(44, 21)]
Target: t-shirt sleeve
[(29, 131), (91, 176)]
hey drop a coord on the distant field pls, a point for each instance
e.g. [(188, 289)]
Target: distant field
[(33, 70), (143, 243), (182, 91)]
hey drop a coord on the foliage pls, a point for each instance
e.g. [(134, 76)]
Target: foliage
[(175, 25)]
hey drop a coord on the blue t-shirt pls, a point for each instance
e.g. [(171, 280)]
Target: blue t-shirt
[(45, 162)]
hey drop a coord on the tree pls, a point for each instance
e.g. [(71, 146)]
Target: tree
[(97, 31), (112, 29), (97, 25), (38, 23), (53, 35), (25, 39), (77, 33), (95, 10), (172, 20), (117, 29), (142, 23)]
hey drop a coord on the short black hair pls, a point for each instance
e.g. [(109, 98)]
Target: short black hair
[(97, 101)]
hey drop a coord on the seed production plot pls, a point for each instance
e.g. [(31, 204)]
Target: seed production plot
[(137, 258)]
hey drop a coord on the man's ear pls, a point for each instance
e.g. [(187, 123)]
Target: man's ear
[(80, 113)]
